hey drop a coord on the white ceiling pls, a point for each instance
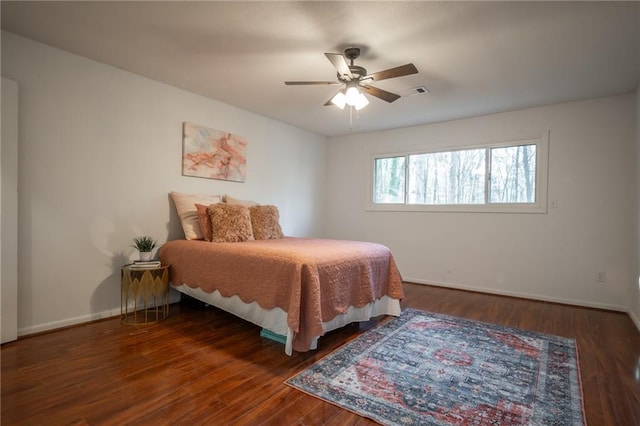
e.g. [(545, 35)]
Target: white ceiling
[(474, 57)]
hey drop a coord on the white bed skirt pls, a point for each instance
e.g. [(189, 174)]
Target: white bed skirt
[(275, 320)]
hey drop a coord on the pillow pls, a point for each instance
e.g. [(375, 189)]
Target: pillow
[(230, 223), (230, 200), (265, 222), (205, 220), (188, 214)]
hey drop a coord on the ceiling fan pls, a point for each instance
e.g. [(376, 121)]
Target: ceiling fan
[(355, 78)]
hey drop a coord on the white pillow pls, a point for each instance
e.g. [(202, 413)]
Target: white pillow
[(188, 214), (230, 200)]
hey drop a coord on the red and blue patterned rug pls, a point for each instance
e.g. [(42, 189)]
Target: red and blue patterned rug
[(431, 369)]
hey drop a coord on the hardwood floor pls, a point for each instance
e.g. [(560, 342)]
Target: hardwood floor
[(204, 366)]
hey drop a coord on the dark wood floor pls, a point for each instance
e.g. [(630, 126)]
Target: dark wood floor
[(204, 366)]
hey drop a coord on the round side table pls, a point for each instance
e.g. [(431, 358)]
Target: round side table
[(144, 294)]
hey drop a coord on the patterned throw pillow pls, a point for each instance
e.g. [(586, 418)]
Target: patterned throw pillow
[(265, 221), (230, 223)]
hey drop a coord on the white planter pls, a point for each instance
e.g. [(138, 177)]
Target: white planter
[(145, 255)]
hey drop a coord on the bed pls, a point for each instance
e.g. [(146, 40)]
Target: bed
[(298, 288)]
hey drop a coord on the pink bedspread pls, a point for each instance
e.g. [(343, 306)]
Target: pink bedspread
[(313, 280)]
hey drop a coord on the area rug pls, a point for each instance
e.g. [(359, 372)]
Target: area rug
[(430, 369)]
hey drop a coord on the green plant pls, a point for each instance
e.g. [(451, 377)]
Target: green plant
[(144, 243)]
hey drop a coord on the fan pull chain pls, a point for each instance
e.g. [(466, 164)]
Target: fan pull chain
[(351, 108), (350, 118)]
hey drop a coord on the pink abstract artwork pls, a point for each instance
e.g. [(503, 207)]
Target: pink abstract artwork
[(213, 154)]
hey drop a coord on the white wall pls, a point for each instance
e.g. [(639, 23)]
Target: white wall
[(9, 212), (553, 256), (634, 285), (99, 151)]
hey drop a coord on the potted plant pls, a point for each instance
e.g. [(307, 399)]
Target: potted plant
[(144, 245)]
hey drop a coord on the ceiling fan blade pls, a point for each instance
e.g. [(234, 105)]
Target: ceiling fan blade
[(338, 61), (303, 83), (400, 71), (382, 94)]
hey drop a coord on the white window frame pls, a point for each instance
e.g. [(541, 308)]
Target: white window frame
[(542, 168)]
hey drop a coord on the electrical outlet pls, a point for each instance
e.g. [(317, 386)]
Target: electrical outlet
[(601, 277)]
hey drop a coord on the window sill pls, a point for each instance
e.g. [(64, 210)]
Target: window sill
[(483, 208)]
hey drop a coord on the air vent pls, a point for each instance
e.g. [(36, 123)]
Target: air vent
[(420, 90)]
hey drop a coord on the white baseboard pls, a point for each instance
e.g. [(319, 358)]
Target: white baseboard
[(25, 331), (634, 318), (173, 298), (575, 302), (67, 322)]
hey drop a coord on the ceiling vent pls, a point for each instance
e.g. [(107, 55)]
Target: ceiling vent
[(420, 90)]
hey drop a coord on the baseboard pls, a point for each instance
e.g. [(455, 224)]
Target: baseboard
[(116, 311), (634, 318), (48, 326), (25, 331), (523, 295)]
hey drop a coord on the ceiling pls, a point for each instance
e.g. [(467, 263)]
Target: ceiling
[(474, 57)]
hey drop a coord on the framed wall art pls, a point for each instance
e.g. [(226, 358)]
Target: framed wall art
[(213, 154)]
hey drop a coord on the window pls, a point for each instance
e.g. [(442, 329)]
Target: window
[(513, 174), (390, 186), (501, 177)]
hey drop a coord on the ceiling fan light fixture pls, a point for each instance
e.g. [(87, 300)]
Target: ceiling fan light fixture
[(352, 94), (361, 101), (339, 100), (354, 77)]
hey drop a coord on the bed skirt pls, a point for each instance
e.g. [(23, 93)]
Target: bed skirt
[(275, 320)]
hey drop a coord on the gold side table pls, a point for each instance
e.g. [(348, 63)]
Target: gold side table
[(144, 294)]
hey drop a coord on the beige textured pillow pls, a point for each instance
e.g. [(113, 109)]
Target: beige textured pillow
[(236, 201), (230, 223), (188, 214), (265, 222)]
